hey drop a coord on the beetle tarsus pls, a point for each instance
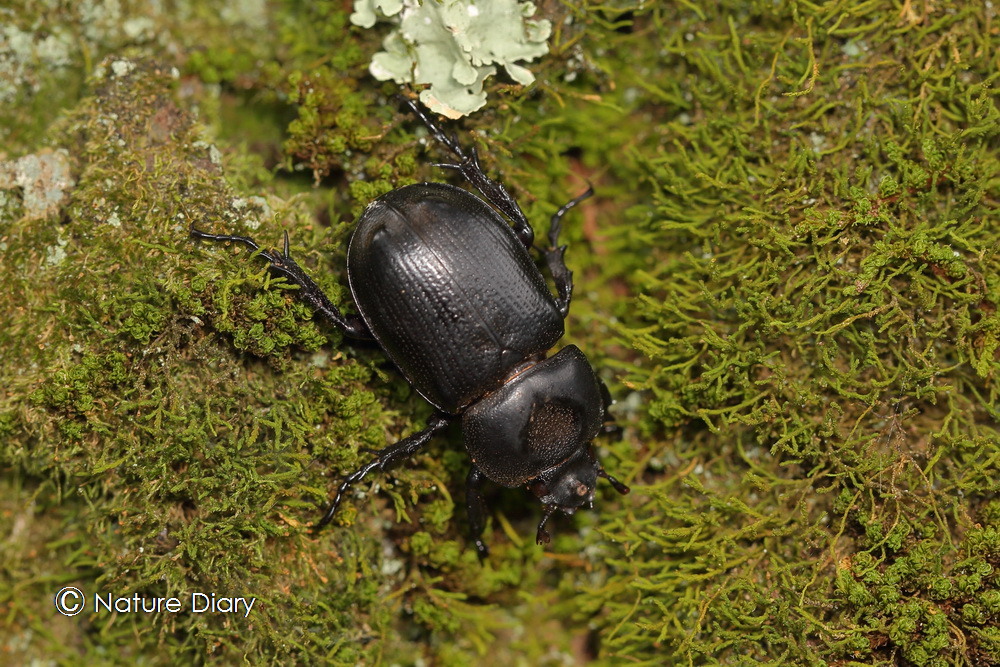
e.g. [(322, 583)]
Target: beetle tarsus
[(385, 460), (555, 225), (554, 255), (309, 291)]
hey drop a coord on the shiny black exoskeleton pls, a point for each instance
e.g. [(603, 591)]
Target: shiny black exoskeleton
[(448, 289)]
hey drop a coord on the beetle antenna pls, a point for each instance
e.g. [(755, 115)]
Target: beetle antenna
[(619, 487)]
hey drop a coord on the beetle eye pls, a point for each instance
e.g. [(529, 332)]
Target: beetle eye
[(581, 489)]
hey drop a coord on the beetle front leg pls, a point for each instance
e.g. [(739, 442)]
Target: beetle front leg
[(476, 509), (385, 460), (610, 426), (561, 275), (309, 291)]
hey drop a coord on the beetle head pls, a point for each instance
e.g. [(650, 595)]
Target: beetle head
[(568, 486)]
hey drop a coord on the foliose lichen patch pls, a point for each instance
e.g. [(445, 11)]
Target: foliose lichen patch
[(454, 46)]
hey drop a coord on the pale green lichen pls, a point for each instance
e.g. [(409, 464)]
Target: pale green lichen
[(56, 253), (454, 46), (366, 12), (41, 181), (23, 54)]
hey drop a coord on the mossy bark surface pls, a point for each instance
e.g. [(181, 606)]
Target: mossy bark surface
[(788, 276)]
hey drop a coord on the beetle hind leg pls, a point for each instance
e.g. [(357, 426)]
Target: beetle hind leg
[(468, 164)]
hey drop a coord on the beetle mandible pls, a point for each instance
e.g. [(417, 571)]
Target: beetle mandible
[(448, 289)]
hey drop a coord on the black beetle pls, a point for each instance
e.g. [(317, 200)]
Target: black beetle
[(449, 291)]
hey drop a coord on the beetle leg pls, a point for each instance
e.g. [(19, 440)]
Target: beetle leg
[(542, 536), (283, 265), (610, 426), (476, 509), (468, 164), (562, 276), (385, 460)]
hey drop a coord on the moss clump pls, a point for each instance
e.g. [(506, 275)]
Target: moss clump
[(332, 125), (117, 426), (911, 599), (820, 296)]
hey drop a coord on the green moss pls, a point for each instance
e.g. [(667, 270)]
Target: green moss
[(332, 123), (164, 477), (916, 602)]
